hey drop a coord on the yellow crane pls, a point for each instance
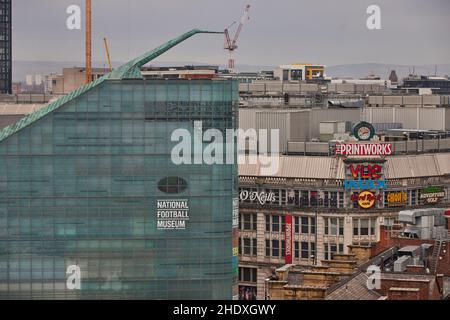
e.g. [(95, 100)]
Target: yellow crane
[(107, 54)]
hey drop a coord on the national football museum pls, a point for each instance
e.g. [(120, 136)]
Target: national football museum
[(93, 207)]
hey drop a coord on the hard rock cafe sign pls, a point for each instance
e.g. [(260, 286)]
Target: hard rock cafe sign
[(262, 197), (366, 199)]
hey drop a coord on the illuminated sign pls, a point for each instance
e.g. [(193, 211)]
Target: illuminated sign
[(363, 131), (262, 197), (432, 194), (397, 198), (365, 184), (364, 149), (366, 199), (172, 214), (365, 171), (288, 239)]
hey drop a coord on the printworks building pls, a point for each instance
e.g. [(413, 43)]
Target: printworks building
[(316, 206), (92, 207)]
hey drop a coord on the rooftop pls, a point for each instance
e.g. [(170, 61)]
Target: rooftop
[(355, 289), (310, 167)]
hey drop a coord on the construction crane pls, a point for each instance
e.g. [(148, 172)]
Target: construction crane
[(107, 54), (231, 45), (88, 42)]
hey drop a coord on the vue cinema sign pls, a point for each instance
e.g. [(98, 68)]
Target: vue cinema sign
[(369, 177)]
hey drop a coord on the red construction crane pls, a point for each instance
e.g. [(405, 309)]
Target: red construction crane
[(231, 45)]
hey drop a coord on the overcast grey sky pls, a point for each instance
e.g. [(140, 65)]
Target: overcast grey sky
[(279, 31)]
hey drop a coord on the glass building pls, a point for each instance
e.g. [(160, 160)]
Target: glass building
[(92, 206), (5, 47)]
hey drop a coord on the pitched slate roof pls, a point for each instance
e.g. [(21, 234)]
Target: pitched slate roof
[(355, 289)]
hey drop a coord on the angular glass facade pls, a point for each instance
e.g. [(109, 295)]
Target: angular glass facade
[(83, 188)]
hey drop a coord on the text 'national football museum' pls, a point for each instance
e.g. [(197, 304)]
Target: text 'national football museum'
[(93, 207)]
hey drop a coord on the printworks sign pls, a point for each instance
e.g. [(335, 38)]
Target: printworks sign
[(288, 239), (432, 194), (262, 197), (172, 214), (364, 149)]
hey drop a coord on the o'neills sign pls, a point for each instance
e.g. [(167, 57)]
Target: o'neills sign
[(288, 239), (172, 214), (262, 197), (364, 149)]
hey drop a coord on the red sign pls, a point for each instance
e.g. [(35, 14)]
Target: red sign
[(364, 149), (365, 171), (288, 240)]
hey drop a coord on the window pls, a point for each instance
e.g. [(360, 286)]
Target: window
[(247, 221), (333, 226), (275, 223), (413, 197), (305, 250), (314, 198), (296, 249), (372, 226), (330, 249), (305, 225), (172, 185), (334, 199), (275, 248), (278, 223), (355, 202), (247, 274), (304, 198), (364, 227), (313, 225), (249, 246)]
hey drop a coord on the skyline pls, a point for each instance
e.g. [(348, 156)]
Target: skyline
[(272, 30)]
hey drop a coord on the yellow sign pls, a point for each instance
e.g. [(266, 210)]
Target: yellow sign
[(397, 198), (235, 251)]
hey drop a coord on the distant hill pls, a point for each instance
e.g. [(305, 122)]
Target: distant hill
[(22, 68), (383, 70)]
